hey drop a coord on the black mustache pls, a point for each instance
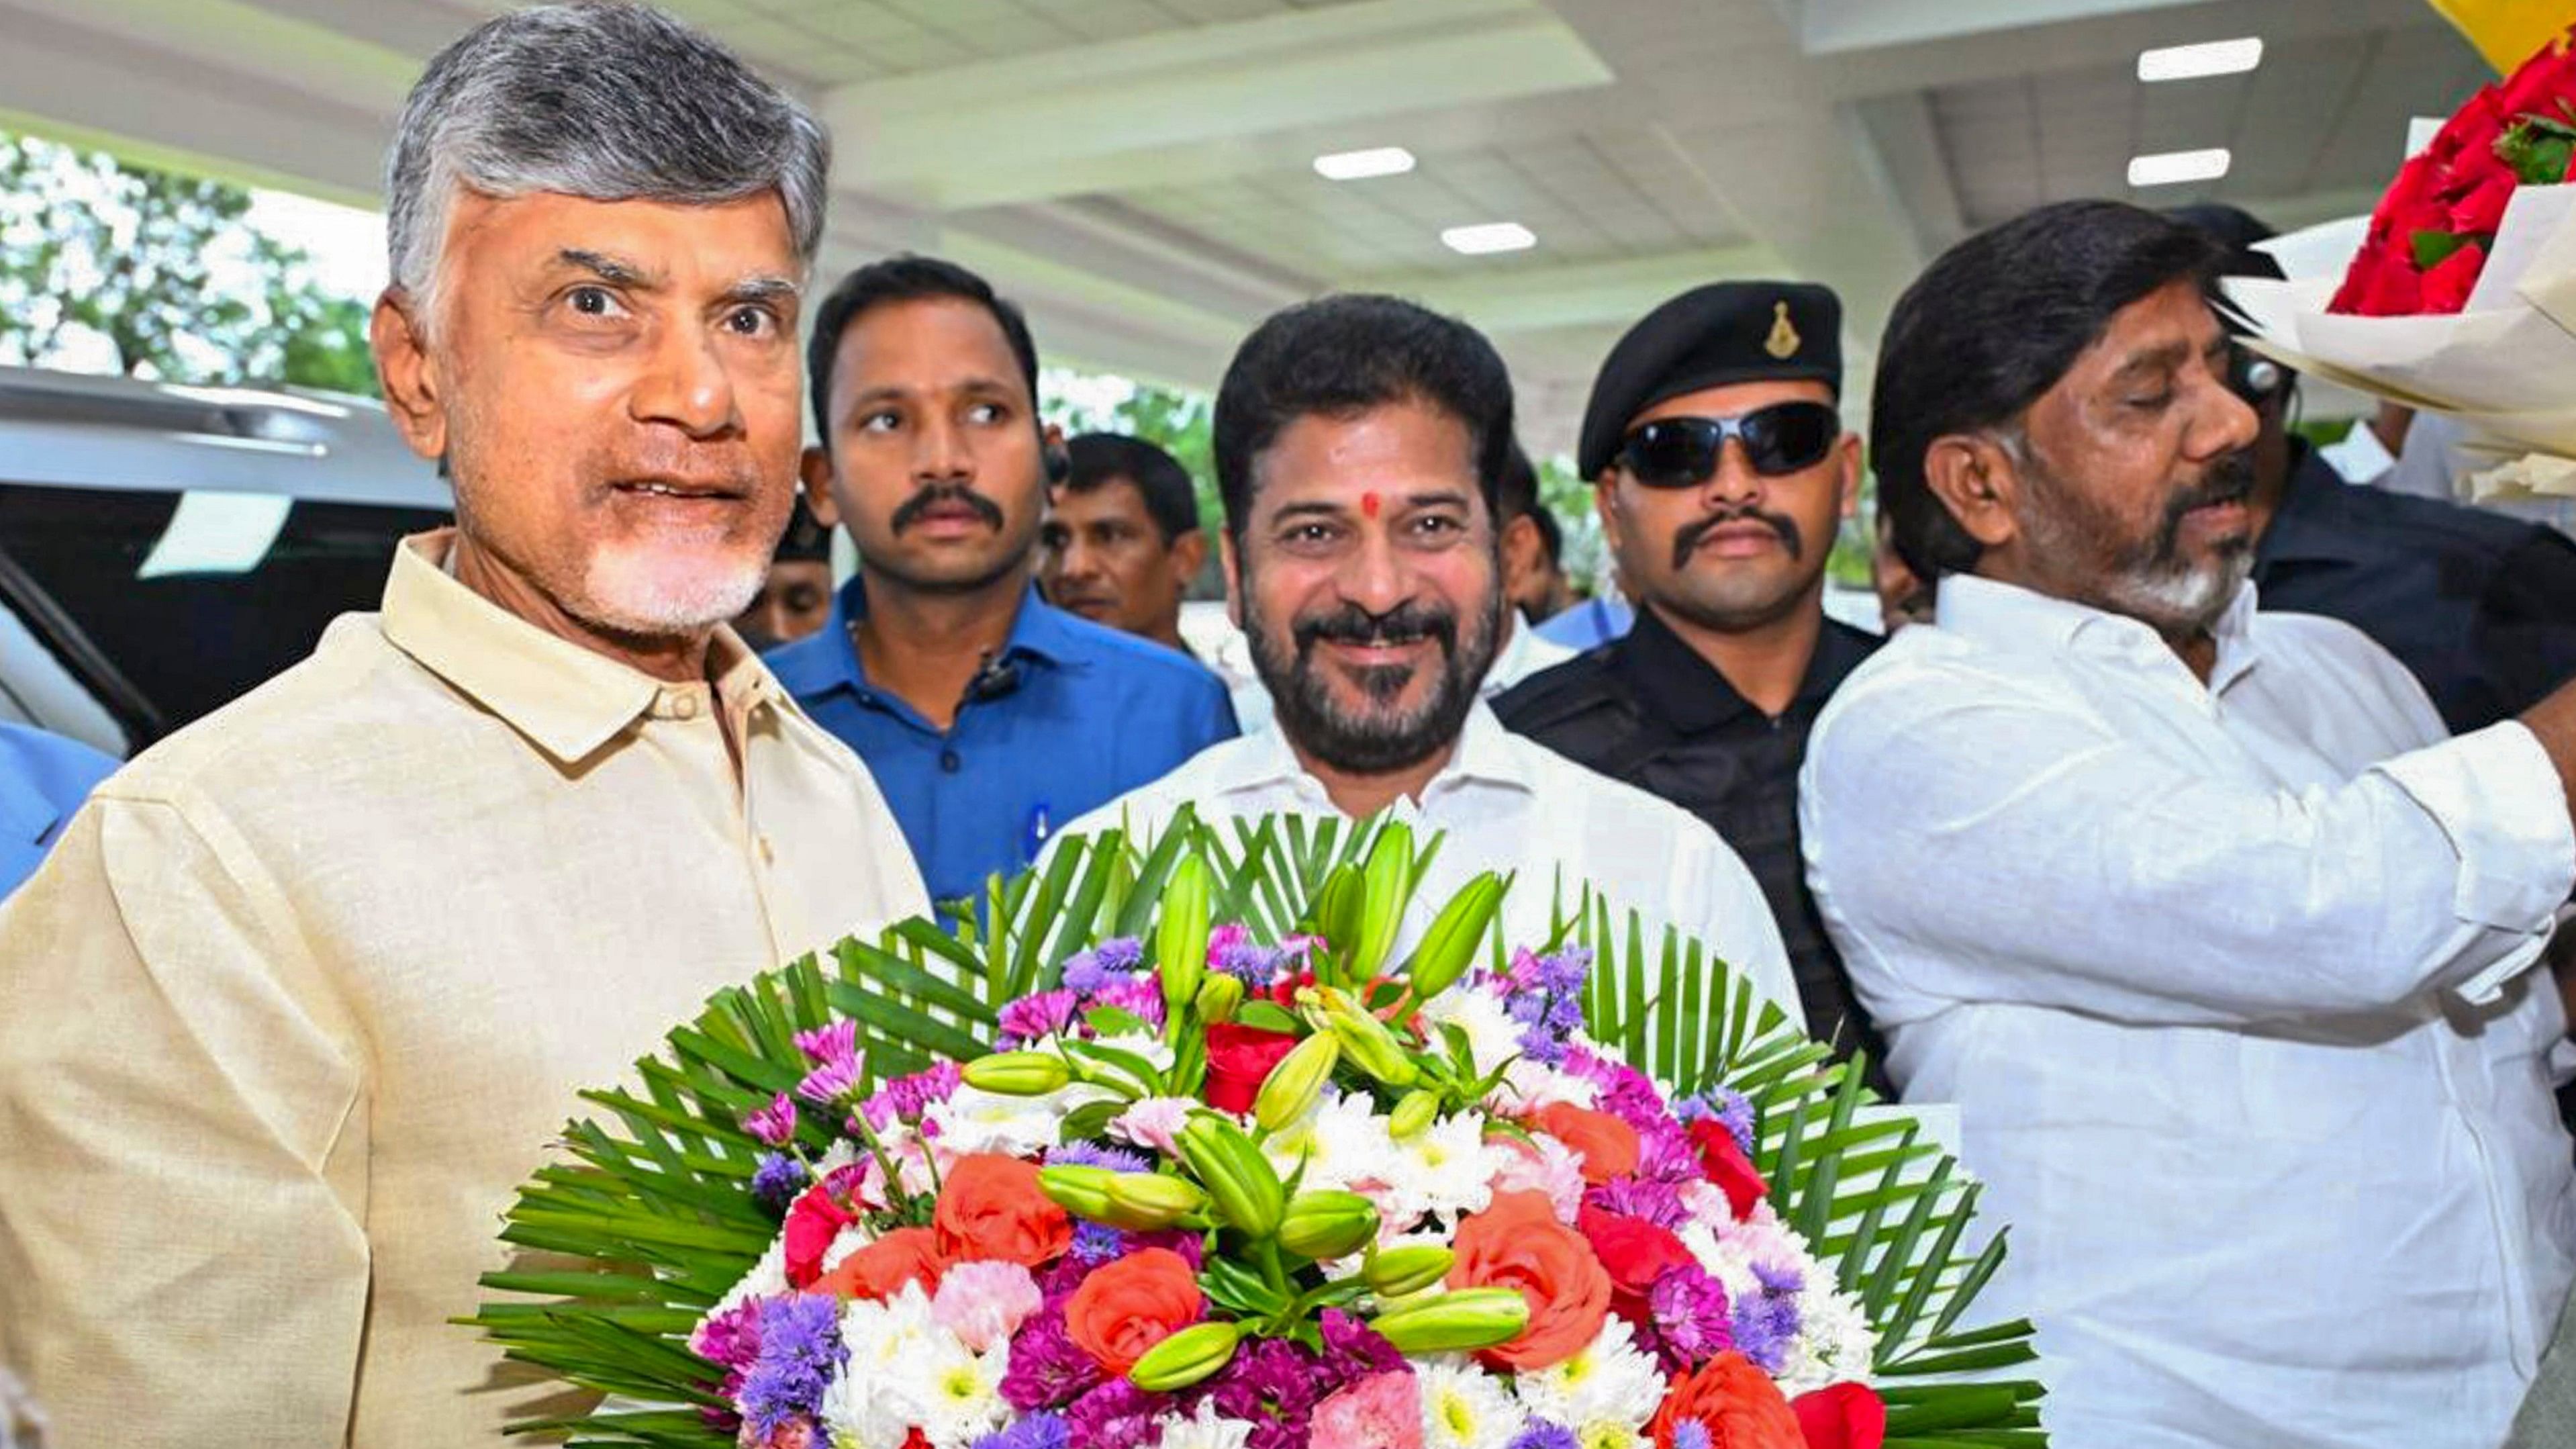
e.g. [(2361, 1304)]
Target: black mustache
[(937, 493), (1687, 541), (1402, 624)]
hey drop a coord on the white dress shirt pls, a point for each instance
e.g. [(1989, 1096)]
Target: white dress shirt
[(1523, 654), (1507, 803), (2226, 981)]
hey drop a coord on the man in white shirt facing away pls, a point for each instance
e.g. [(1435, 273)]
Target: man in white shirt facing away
[(1360, 442), (2221, 945)]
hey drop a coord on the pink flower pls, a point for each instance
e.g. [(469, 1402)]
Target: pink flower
[(1153, 1122), (832, 1081), (774, 1124), (1382, 1411), (838, 1042), (1542, 1165), (985, 1302)]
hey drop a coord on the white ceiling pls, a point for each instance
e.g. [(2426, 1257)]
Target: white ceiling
[(1138, 171)]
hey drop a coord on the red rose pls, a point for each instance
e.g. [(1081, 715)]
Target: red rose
[(1239, 1059), (1727, 1166), (990, 1209), (1128, 1306), (2542, 80), (2473, 128), (2481, 211), (812, 1223), (1634, 1252), (1842, 1416), (1609, 1146), (879, 1270), (2447, 286)]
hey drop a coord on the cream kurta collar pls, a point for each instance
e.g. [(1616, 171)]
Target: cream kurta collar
[(565, 698)]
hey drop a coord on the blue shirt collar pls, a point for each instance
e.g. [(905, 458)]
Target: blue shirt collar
[(828, 658)]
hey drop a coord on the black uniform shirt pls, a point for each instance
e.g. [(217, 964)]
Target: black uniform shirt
[(1647, 709), (2479, 607)]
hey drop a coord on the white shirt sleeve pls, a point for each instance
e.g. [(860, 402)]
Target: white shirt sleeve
[(1724, 907), (2008, 849)]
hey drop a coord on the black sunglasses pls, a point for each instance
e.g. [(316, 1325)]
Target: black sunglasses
[(1785, 437)]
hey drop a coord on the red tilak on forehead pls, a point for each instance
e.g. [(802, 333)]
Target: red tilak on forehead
[(1368, 504)]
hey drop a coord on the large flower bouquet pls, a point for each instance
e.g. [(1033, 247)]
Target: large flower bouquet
[(1183, 1153), (2458, 293)]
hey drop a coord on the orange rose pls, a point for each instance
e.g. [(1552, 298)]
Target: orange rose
[(880, 1269), (1128, 1306), (990, 1209), (1735, 1402), (1608, 1145), (1518, 1243)]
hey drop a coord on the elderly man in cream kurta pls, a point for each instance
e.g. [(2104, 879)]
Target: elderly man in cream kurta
[(306, 990)]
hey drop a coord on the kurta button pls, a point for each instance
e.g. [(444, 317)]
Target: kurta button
[(948, 761), (685, 706)]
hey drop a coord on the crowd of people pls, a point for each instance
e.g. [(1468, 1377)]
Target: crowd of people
[(2201, 835)]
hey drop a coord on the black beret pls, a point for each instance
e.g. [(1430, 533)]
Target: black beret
[(1710, 336)]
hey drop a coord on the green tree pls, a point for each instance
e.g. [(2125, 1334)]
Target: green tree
[(165, 273)]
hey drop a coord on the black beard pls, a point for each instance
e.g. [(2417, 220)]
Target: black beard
[(1308, 713)]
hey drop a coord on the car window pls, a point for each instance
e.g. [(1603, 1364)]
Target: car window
[(169, 604)]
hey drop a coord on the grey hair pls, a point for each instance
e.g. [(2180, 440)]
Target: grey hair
[(610, 102)]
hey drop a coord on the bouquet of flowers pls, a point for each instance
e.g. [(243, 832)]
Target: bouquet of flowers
[(2459, 294), (1196, 1182)]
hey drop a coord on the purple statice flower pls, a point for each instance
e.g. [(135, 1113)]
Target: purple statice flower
[(1545, 1434), (1732, 1109), (1545, 995), (1690, 1434), (1116, 1415), (1232, 950), (1088, 971), (1780, 1278), (1095, 1244), (1038, 1431), (1093, 1154), (1766, 1323), (1138, 996), (1031, 1017), (838, 1042), (1047, 1369), (800, 1349), (1353, 1350), (1271, 1384), (777, 1180), (1659, 1203), (774, 1124), (1693, 1321)]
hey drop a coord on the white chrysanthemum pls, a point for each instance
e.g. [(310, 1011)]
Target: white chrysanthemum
[(960, 1393), (974, 1120), (1608, 1434), (861, 1414), (1206, 1429), (1464, 1407), (1527, 1086), (1152, 1048), (1834, 1343), (1343, 1142), (1609, 1379), (845, 1243), (1446, 1168), (1493, 1038)]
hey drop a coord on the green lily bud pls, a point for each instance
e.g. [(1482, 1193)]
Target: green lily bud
[(1366, 1041), (1018, 1074), (1395, 1272), (1237, 1177), (1449, 947), (1081, 1191), (1468, 1319), (1219, 997), (1327, 1224), (1181, 936), (1385, 881), (1146, 1201), (1412, 1114), (1186, 1357), (1293, 1085)]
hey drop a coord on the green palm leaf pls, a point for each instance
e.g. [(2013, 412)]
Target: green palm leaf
[(648, 1223)]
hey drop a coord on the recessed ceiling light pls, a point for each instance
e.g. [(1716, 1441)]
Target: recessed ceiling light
[(1360, 165), (2168, 168), (2191, 62), (1491, 236)]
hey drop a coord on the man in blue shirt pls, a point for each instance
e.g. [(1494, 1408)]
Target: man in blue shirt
[(988, 717), (43, 779)]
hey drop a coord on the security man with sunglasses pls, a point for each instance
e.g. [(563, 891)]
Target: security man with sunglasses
[(1722, 473)]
